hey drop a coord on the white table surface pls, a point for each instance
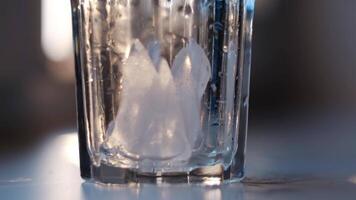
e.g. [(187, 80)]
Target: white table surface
[(300, 158)]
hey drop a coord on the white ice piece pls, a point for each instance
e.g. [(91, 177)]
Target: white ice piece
[(138, 77), (165, 133), (149, 123), (191, 71)]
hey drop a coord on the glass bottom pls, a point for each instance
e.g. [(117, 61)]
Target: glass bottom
[(196, 159), (212, 175)]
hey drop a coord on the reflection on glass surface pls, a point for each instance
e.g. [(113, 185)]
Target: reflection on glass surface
[(164, 191)]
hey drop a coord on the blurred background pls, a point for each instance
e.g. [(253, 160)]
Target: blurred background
[(304, 57)]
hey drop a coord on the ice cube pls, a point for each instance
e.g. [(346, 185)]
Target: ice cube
[(132, 119), (149, 124), (191, 72), (191, 64), (165, 135)]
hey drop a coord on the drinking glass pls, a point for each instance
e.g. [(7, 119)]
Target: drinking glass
[(162, 89)]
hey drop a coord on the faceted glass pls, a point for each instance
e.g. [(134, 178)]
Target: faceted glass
[(162, 88)]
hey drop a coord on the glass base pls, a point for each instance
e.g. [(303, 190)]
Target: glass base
[(212, 175)]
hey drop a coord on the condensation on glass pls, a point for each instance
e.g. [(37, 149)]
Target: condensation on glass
[(162, 88)]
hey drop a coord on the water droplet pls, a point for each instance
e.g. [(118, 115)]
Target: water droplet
[(213, 87), (245, 102), (215, 124), (188, 10), (185, 41), (225, 49), (180, 8)]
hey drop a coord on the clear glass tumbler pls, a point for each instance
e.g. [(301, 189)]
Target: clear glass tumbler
[(162, 88)]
